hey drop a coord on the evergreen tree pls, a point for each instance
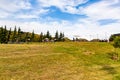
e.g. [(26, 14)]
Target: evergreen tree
[(9, 33), (44, 36), (56, 36), (73, 39), (48, 35), (1, 35), (60, 37), (32, 36), (4, 35), (63, 39), (27, 37), (19, 35), (41, 37), (14, 35)]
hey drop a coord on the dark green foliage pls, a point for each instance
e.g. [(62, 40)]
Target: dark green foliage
[(113, 36), (41, 37), (116, 43), (48, 34), (18, 36), (32, 36), (56, 36), (59, 37), (27, 37), (63, 37), (9, 33), (3, 35), (14, 36)]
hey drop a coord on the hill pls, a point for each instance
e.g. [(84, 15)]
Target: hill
[(58, 61)]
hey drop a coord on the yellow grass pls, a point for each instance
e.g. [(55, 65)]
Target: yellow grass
[(58, 61)]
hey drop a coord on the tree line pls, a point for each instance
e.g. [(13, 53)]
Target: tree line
[(18, 36)]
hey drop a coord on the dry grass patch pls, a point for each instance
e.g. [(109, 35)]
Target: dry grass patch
[(58, 61)]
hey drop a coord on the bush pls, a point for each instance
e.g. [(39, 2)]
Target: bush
[(116, 43)]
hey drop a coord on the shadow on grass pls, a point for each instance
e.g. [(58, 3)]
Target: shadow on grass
[(109, 69), (117, 77), (113, 55)]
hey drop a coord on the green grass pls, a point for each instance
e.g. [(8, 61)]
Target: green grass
[(58, 61)]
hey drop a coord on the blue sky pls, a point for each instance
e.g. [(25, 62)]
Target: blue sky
[(84, 18)]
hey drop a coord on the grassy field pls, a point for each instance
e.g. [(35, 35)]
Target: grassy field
[(58, 61)]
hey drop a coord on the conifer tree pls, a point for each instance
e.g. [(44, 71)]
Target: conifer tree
[(56, 36), (4, 36), (14, 35), (26, 37), (41, 37), (63, 39), (32, 36), (19, 35), (8, 37), (1, 35), (60, 37), (48, 35)]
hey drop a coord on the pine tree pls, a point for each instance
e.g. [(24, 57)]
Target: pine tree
[(5, 35), (8, 37), (48, 35), (56, 36), (26, 37), (19, 35), (63, 39), (14, 35), (1, 34), (32, 36), (41, 37), (60, 37)]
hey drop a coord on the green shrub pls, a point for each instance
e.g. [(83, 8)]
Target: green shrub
[(116, 43)]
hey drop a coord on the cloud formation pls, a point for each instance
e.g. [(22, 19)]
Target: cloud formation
[(101, 17), (64, 5)]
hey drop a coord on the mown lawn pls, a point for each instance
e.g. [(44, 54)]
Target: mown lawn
[(58, 61)]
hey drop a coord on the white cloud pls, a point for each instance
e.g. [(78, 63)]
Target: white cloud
[(33, 14), (8, 8), (68, 6), (84, 28), (4, 14), (15, 5), (23, 16), (103, 10), (40, 11), (20, 9)]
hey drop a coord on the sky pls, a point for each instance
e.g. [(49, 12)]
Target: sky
[(76, 18)]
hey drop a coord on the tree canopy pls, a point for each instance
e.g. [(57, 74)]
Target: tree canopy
[(17, 36)]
